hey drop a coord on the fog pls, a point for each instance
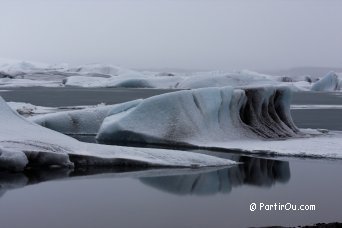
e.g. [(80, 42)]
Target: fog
[(189, 34)]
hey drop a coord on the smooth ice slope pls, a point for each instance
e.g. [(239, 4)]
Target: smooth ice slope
[(203, 115), (329, 82), (24, 143)]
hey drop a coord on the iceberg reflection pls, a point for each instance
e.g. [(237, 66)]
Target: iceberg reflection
[(201, 181), (254, 171)]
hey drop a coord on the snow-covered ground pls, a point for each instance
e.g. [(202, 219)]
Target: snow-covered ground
[(28, 74), (24, 143)]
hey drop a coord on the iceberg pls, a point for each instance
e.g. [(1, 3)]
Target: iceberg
[(220, 79), (254, 120), (24, 143), (26, 74), (11, 66), (117, 82), (123, 81), (104, 69), (203, 115), (329, 82)]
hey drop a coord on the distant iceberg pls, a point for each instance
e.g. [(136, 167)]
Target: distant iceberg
[(329, 82), (27, 74), (221, 79), (100, 69)]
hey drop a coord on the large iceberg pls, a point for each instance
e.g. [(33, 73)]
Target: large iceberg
[(23, 143), (256, 120), (250, 119), (329, 82), (202, 115)]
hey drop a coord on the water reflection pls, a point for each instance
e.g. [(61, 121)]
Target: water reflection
[(253, 171), (204, 181)]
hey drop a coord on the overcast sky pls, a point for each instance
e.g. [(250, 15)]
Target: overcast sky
[(190, 34)]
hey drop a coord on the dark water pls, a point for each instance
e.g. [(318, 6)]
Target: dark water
[(164, 198), (174, 198), (54, 97), (324, 118)]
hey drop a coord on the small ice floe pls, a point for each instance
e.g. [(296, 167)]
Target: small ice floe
[(316, 107)]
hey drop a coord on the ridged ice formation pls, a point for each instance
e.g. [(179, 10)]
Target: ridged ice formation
[(203, 115)]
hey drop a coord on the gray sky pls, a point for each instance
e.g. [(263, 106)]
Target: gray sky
[(190, 34)]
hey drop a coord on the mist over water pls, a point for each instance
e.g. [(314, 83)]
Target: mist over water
[(228, 35)]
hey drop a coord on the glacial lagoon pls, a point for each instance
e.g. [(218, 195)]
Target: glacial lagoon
[(210, 197)]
